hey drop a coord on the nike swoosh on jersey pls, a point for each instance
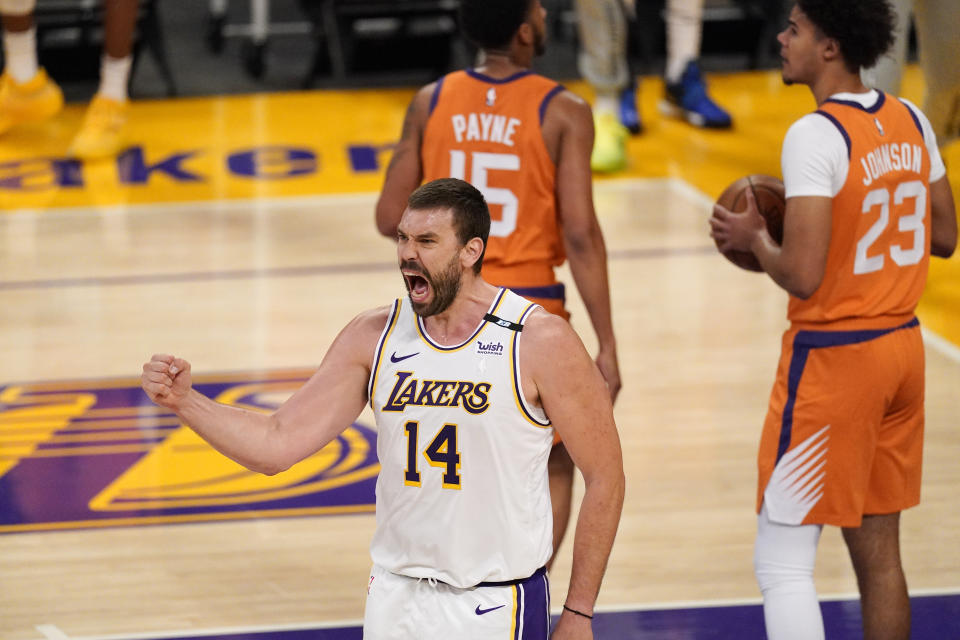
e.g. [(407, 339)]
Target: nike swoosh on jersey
[(480, 611), (395, 358)]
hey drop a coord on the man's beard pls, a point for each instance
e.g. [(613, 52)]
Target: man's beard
[(540, 44), (445, 287)]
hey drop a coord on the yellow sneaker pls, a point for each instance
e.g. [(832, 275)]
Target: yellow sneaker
[(609, 144), (100, 134), (36, 99)]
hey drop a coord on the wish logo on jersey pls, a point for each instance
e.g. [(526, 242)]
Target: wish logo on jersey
[(94, 454), (407, 390), (491, 347)]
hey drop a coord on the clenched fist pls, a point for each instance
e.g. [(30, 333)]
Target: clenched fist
[(166, 380)]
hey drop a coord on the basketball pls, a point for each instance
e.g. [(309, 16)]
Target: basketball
[(769, 194)]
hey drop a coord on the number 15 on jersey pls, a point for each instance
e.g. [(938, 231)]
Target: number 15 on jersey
[(480, 165)]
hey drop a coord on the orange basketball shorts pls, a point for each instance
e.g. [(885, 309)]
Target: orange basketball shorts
[(843, 435)]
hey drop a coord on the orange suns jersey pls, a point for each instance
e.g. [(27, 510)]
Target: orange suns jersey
[(880, 237), (488, 132)]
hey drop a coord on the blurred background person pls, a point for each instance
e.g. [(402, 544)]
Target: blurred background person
[(28, 94), (603, 63), (937, 23)]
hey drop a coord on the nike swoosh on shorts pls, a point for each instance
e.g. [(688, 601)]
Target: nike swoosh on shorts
[(480, 611)]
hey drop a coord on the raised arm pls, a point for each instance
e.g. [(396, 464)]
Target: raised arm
[(566, 383), (568, 131), (405, 172), (313, 416)]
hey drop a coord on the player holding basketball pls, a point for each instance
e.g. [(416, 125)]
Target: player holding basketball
[(525, 142), (868, 202), (465, 426)]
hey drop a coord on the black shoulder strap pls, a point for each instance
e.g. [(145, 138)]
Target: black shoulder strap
[(500, 322)]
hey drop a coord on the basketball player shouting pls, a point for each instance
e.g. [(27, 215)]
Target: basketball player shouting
[(525, 142), (465, 426)]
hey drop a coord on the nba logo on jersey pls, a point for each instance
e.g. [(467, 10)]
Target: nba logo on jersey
[(491, 96), (879, 126)]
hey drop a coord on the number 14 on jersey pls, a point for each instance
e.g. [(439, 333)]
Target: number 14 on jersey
[(441, 452)]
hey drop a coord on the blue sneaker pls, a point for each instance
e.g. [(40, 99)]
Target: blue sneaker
[(688, 99), (629, 115)]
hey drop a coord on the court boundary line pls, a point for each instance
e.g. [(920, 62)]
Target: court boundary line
[(301, 271), (51, 632), (358, 622), (941, 345), (143, 208), (757, 600)]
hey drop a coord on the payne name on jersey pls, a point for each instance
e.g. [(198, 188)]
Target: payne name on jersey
[(484, 127), (407, 390)]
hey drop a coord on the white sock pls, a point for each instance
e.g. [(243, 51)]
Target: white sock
[(21, 54), (783, 559), (684, 30), (606, 102), (114, 76)]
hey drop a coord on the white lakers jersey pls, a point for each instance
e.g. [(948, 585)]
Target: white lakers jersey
[(462, 495)]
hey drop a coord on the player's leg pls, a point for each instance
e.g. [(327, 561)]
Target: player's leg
[(815, 464), (19, 39), (100, 134), (894, 485), (875, 551), (785, 551), (560, 469), (603, 62), (783, 561), (686, 92), (26, 93)]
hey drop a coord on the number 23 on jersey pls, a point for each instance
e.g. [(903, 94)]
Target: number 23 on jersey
[(867, 260)]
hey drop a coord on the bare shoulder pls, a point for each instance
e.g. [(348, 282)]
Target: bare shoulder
[(568, 121), (372, 321), (568, 108), (420, 105), (361, 334), (426, 92), (548, 335), (416, 117)]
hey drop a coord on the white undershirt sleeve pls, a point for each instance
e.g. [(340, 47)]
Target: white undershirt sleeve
[(814, 158), (937, 168)]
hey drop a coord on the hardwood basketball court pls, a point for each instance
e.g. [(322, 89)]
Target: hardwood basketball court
[(118, 523)]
